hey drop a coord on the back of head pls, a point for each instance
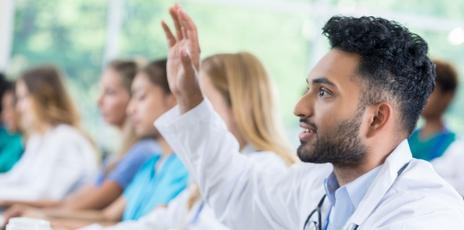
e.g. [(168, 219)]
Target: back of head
[(126, 69), (4, 85), (52, 103), (246, 87), (447, 77), (157, 74), (394, 65)]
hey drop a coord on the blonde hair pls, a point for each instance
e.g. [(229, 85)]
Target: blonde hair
[(244, 84)]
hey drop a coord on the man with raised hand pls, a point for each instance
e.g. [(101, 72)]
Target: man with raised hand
[(363, 100)]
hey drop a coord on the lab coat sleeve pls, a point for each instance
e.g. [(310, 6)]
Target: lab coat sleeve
[(242, 195)]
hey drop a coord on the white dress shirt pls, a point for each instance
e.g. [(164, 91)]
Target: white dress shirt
[(53, 165), (405, 194)]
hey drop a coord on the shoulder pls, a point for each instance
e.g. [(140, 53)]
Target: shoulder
[(420, 179), (142, 150), (145, 145), (67, 133), (420, 194)]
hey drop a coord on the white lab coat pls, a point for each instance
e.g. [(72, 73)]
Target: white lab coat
[(53, 165), (246, 198), (450, 165)]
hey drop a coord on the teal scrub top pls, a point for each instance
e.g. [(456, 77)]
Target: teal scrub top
[(11, 149), (153, 187), (432, 147)]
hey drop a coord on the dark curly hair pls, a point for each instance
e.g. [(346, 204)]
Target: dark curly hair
[(394, 65), (447, 77)]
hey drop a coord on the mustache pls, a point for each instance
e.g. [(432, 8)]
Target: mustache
[(309, 123)]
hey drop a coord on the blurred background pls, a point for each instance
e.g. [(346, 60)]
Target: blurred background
[(81, 36)]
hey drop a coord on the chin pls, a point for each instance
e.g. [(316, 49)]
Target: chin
[(305, 152)]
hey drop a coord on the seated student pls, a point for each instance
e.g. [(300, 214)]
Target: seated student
[(240, 91), (363, 100), (160, 179), (11, 152), (59, 158), (433, 139), (115, 94)]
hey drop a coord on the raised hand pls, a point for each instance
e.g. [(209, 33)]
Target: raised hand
[(183, 59)]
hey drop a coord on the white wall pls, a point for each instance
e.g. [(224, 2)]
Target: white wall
[(6, 31)]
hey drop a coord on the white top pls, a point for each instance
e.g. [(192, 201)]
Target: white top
[(450, 165), (406, 193), (177, 215), (53, 165)]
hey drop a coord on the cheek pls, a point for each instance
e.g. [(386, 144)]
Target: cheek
[(119, 106), (24, 106), (153, 111)]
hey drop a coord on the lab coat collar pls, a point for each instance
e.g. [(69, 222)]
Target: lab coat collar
[(394, 165)]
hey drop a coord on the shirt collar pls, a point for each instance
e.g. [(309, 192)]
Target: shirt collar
[(354, 191)]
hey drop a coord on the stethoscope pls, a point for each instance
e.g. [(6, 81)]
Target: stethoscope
[(318, 210)]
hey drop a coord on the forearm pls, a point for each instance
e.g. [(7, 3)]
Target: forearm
[(33, 203), (78, 215), (94, 198), (59, 223)]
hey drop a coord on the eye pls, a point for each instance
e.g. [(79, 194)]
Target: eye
[(323, 92)]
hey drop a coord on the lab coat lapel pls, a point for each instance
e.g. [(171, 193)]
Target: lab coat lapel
[(393, 166)]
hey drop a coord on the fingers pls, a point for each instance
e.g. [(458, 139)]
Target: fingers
[(191, 29), (192, 35), (169, 36), (187, 63), (174, 12)]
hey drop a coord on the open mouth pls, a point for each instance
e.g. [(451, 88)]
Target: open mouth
[(309, 131)]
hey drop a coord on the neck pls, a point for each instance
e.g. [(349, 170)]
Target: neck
[(431, 127), (372, 159), (346, 175), (165, 148), (42, 128)]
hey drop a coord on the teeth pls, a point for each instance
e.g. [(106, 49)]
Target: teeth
[(307, 131)]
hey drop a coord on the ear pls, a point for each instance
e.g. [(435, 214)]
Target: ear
[(378, 116)]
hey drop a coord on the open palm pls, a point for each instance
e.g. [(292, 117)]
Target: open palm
[(183, 59)]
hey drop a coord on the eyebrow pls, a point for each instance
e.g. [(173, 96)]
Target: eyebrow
[(321, 80)]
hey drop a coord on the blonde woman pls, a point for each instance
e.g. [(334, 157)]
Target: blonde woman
[(240, 91), (59, 158)]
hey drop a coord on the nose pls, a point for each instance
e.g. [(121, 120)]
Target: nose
[(100, 101), (305, 106)]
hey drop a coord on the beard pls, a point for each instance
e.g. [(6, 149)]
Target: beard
[(341, 146)]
